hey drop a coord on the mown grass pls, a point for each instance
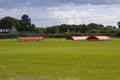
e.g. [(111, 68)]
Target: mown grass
[(60, 59)]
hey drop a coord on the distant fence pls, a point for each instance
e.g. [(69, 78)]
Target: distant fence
[(28, 33), (20, 34)]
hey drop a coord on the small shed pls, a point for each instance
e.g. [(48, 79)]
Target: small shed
[(98, 38), (77, 37)]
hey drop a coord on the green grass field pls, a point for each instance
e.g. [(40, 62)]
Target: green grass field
[(59, 59)]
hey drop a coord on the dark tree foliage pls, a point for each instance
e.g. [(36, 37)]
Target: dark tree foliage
[(26, 23), (8, 22), (22, 25), (82, 29)]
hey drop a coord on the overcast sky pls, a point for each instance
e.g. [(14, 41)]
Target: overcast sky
[(54, 12)]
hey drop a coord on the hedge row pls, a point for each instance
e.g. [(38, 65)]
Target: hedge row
[(64, 35), (59, 35), (7, 36)]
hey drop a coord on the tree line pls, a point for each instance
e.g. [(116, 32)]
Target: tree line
[(22, 25), (65, 30), (59, 31)]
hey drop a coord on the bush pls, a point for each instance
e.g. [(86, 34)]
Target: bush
[(117, 34), (8, 36)]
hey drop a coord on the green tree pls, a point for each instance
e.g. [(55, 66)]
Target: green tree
[(64, 28), (93, 27), (26, 23), (8, 22), (83, 28), (54, 29)]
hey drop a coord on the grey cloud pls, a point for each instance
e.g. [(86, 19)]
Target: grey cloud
[(95, 2), (49, 3)]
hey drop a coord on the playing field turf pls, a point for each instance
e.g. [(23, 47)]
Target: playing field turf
[(59, 59)]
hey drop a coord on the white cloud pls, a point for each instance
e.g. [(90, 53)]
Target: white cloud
[(1, 9), (67, 14), (103, 14)]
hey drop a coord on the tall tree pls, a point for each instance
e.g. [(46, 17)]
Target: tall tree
[(26, 23)]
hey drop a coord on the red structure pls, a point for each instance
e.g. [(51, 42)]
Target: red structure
[(98, 38), (77, 37), (88, 38), (30, 38), (92, 38)]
